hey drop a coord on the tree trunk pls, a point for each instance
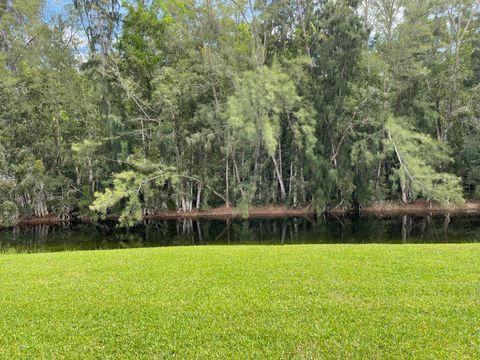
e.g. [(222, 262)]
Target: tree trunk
[(283, 194), (226, 182), (199, 194), (403, 188)]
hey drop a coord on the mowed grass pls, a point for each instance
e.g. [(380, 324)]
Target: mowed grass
[(305, 301)]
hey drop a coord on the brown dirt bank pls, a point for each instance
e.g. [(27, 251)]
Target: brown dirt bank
[(51, 219), (274, 211), (420, 207), (233, 213)]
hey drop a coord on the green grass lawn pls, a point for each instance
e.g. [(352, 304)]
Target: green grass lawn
[(305, 301)]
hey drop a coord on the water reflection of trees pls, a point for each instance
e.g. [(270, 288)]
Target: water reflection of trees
[(228, 231), (401, 229), (283, 231), (437, 228), (25, 238)]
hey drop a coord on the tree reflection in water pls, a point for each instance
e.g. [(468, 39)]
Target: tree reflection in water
[(400, 229)]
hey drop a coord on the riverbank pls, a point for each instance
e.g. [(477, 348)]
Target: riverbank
[(243, 302), (221, 213), (254, 212), (421, 208)]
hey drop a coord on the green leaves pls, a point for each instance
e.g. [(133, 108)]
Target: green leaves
[(265, 103), (265, 108), (418, 159), (263, 98), (127, 189), (8, 213)]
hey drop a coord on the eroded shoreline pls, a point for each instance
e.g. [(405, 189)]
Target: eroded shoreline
[(381, 209)]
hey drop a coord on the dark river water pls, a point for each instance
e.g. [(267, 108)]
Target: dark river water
[(399, 229)]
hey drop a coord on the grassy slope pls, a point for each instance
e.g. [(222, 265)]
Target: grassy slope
[(340, 301)]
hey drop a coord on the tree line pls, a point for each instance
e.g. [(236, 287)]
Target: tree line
[(136, 107)]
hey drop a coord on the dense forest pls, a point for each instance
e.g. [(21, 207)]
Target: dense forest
[(136, 107)]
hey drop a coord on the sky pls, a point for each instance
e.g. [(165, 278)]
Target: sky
[(56, 7)]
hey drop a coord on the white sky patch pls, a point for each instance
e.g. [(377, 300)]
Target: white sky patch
[(377, 15), (73, 34), (54, 8), (78, 41)]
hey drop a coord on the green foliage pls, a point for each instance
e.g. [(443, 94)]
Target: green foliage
[(8, 213), (128, 187), (261, 99), (264, 108), (266, 103), (417, 169)]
